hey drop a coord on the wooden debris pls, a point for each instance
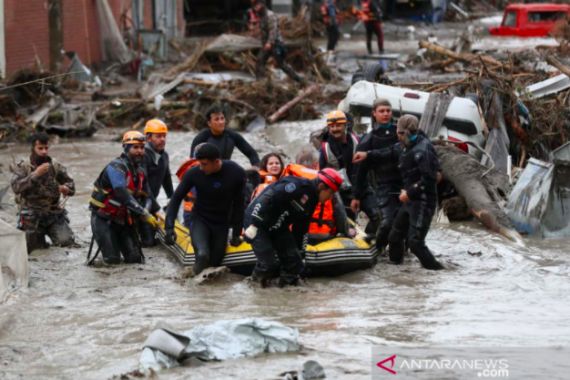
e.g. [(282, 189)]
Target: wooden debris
[(287, 106)]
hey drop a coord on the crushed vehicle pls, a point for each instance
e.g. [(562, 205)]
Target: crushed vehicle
[(530, 20), (461, 124)]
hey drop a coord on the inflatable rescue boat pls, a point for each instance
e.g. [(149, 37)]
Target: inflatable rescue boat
[(330, 258)]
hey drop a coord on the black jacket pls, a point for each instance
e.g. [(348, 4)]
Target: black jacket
[(386, 172), (419, 166), (289, 201), (158, 171)]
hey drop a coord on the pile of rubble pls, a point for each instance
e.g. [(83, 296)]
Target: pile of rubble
[(515, 92)]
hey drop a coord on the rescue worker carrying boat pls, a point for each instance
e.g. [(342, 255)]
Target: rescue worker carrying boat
[(219, 202), (117, 201), (223, 138), (419, 166), (278, 220), (39, 186), (156, 164)]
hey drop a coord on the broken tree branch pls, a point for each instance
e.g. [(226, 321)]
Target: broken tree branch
[(290, 104)]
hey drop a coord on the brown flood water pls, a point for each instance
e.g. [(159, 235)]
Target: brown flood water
[(82, 322)]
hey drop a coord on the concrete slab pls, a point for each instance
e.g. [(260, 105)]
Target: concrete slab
[(14, 270)]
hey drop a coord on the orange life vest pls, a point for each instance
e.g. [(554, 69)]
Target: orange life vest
[(190, 197), (323, 222), (298, 170), (267, 179)]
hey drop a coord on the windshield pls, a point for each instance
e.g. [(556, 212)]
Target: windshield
[(510, 19)]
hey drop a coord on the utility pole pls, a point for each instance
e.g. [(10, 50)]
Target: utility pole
[(55, 34)]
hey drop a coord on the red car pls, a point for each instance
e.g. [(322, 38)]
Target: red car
[(530, 20)]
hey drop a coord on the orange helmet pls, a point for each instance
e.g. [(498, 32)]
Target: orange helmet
[(336, 117), (331, 178), (155, 126), (133, 138)]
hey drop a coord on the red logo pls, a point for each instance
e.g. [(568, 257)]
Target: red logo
[(391, 360)]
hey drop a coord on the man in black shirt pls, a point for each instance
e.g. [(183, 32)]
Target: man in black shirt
[(156, 164), (386, 181), (218, 186), (224, 139)]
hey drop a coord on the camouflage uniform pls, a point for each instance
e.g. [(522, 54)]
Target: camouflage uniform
[(39, 200)]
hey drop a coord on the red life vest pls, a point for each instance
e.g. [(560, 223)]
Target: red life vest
[(325, 13), (253, 20), (190, 197), (322, 221), (106, 204), (366, 14)]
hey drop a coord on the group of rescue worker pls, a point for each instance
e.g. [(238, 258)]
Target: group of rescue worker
[(390, 174), (369, 13)]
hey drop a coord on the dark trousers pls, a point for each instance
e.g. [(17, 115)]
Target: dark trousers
[(115, 239), (277, 254), (38, 225), (209, 243), (147, 234), (388, 206), (374, 27), (369, 205), (332, 36), (413, 221), (278, 54)]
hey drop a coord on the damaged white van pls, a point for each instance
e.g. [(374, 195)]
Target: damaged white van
[(461, 122)]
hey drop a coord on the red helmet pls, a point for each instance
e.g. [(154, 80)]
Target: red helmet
[(331, 178)]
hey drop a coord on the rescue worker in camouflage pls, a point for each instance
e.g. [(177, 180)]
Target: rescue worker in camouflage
[(271, 43), (121, 193), (41, 187)]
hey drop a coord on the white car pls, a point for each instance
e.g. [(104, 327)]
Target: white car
[(462, 121)]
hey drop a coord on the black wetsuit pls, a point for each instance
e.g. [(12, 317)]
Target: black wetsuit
[(226, 143), (218, 205), (386, 181), (290, 201), (419, 166)]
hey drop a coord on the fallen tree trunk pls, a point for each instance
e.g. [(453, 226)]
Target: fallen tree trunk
[(290, 104), (559, 65), (470, 58), (483, 193)]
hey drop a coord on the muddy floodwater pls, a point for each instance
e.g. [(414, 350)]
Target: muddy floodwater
[(76, 321)]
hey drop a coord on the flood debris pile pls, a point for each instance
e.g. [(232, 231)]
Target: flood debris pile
[(515, 94), (32, 100)]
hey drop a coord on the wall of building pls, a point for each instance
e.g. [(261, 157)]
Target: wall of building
[(27, 35)]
